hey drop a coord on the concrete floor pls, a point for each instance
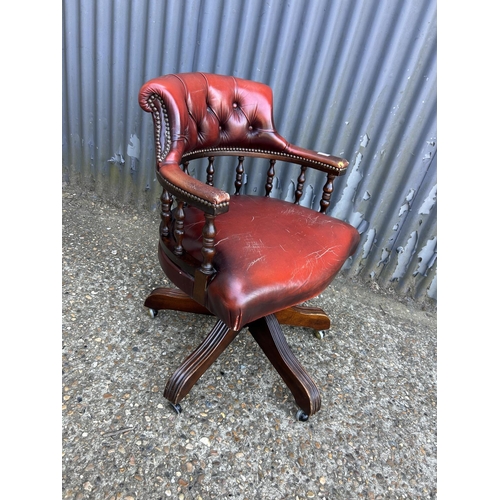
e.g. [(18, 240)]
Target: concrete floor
[(237, 437)]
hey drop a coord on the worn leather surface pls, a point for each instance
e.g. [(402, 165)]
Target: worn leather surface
[(270, 255)]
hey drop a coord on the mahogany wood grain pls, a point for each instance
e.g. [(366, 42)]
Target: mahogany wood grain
[(306, 316), (174, 300), (327, 193), (270, 177), (210, 171), (198, 362), (300, 184), (240, 170), (166, 214), (208, 247), (179, 228), (268, 334)]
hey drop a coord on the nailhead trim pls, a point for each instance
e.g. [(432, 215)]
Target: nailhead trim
[(160, 154), (277, 153), (191, 196)]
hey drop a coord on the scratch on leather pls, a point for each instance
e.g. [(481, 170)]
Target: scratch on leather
[(223, 239), (255, 245), (318, 255), (255, 261)]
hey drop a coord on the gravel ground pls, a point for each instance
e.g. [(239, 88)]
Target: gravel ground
[(237, 437)]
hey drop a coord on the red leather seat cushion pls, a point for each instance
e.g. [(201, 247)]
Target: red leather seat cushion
[(270, 255)]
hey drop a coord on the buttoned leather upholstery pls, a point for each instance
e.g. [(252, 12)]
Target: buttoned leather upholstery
[(216, 111)]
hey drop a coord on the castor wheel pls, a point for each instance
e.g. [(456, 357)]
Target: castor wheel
[(176, 407), (153, 313), (320, 334), (302, 416)]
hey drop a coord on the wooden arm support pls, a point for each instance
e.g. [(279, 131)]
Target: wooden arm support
[(292, 154), (213, 201), (209, 199)]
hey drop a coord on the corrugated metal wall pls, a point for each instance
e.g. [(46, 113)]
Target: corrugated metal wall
[(356, 78)]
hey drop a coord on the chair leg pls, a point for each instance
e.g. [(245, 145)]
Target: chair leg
[(197, 363), (310, 317), (173, 299), (268, 334)]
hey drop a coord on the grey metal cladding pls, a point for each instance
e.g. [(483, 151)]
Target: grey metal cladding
[(353, 78)]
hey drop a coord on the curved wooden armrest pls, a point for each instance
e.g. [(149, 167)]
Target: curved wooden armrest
[(318, 160), (209, 199), (293, 154)]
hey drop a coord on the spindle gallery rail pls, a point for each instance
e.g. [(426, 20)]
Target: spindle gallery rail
[(176, 214)]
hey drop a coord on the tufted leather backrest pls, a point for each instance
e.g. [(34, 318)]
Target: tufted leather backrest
[(194, 111)]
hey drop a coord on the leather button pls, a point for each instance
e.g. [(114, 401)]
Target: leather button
[(235, 105), (250, 127)]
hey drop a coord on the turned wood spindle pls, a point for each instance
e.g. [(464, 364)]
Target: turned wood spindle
[(179, 227), (300, 184), (166, 214), (327, 193), (270, 177), (208, 247), (239, 175), (210, 171)]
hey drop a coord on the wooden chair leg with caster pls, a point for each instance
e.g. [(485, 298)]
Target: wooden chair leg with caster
[(197, 363), (268, 334)]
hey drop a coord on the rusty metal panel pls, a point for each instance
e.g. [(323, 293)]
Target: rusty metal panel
[(354, 78)]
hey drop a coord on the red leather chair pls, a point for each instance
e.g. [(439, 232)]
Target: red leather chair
[(248, 260)]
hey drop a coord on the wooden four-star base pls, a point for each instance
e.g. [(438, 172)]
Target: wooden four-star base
[(267, 333)]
